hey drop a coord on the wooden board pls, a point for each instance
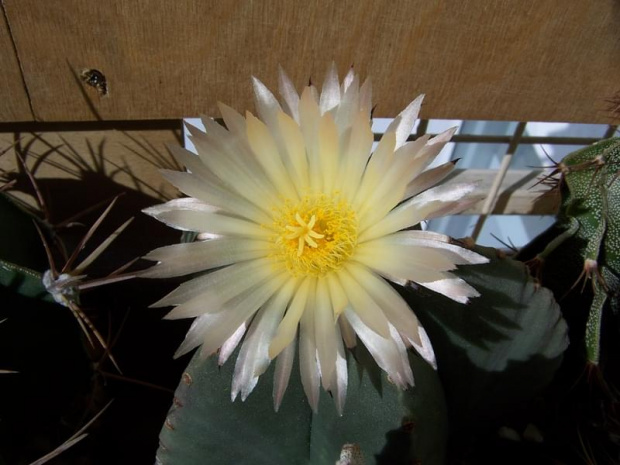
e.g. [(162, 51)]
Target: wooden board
[(548, 60), (77, 169), (14, 106)]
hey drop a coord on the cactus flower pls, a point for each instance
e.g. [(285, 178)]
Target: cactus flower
[(302, 227)]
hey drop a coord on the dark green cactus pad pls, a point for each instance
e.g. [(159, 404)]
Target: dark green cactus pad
[(393, 426), (494, 354)]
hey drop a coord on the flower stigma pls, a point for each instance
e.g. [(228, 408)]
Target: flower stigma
[(315, 236)]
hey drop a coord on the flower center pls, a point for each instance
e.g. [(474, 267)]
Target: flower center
[(314, 236)]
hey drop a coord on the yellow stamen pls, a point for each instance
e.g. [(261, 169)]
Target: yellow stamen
[(304, 233), (314, 236)]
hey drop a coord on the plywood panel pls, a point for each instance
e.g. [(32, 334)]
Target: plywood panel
[(513, 60), (78, 169), (14, 106)]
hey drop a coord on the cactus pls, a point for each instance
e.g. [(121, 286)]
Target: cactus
[(493, 355), (589, 216)]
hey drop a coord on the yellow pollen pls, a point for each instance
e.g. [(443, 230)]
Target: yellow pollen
[(304, 233), (314, 236)]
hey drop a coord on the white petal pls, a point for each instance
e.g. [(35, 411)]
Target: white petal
[(339, 379), (348, 79), (326, 332), (387, 353), (337, 295), (288, 326), (234, 121), (293, 146), (182, 259), (191, 220), (356, 152), (231, 344), (226, 281), (267, 154), (308, 364), (195, 334), (235, 312), (309, 116), (458, 255), (348, 335), (180, 204), (428, 179), (416, 209), (395, 308), (364, 306), (453, 288), (404, 125), (253, 358), (266, 104), (349, 106), (289, 94), (330, 92), (228, 294), (328, 151), (366, 97), (282, 373), (425, 348)]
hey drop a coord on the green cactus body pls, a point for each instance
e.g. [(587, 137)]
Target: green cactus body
[(590, 212)]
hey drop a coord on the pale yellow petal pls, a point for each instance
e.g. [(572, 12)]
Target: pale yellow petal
[(288, 326), (369, 312)]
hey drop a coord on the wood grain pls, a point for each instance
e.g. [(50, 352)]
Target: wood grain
[(76, 169), (547, 60), (14, 106)]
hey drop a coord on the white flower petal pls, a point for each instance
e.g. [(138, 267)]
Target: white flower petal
[(337, 385), (337, 295), (253, 358), (349, 105), (364, 306), (326, 334), (395, 308), (182, 259), (437, 242), (191, 220), (452, 287), (403, 125), (309, 116), (289, 94), (234, 121), (266, 104), (266, 151), (428, 179), (387, 353), (330, 92), (282, 373), (379, 162), (231, 344), (288, 326), (308, 364), (366, 97), (329, 158), (227, 281), (425, 348), (417, 209), (348, 335), (235, 312), (227, 295), (356, 151), (293, 145)]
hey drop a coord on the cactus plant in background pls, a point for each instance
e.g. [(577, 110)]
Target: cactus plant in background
[(590, 215), (578, 259)]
